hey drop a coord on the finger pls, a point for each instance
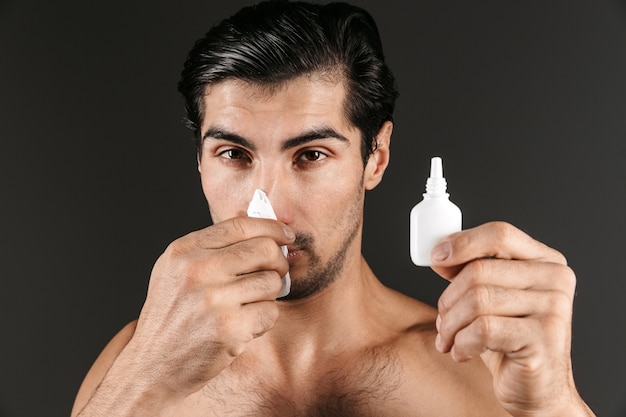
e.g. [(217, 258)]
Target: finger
[(255, 287), (489, 301), (257, 254), (261, 317), (493, 333), (238, 229), (234, 329), (492, 240), (506, 273)]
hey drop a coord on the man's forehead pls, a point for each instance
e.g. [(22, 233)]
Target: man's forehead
[(305, 100)]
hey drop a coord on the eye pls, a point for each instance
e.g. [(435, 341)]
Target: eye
[(312, 156), (233, 153), (234, 156)]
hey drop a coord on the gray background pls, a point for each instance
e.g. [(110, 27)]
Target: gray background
[(525, 101)]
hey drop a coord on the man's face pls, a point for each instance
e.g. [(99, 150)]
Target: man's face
[(295, 144)]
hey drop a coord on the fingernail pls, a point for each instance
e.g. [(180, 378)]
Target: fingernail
[(288, 232), (441, 252)]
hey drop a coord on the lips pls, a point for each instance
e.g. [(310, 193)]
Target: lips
[(293, 252), (302, 244)]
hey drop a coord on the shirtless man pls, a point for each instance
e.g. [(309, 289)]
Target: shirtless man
[(295, 99)]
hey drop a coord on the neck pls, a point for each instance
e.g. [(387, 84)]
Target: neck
[(337, 316)]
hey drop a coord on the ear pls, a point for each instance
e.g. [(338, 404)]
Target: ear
[(199, 160), (378, 161)]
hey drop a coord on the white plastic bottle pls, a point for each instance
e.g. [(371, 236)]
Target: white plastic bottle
[(261, 207), (434, 217)]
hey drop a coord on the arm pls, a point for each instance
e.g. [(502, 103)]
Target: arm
[(98, 383), (210, 293), (101, 366), (510, 302)]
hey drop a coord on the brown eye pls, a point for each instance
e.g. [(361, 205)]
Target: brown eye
[(233, 154), (312, 156), (235, 157)]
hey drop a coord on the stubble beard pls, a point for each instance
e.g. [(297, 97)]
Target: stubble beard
[(319, 276)]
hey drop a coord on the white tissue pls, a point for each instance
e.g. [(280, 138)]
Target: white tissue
[(260, 207)]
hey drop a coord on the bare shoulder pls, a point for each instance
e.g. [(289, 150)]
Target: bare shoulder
[(432, 381), (101, 366)]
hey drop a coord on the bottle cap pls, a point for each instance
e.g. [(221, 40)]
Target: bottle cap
[(436, 184)]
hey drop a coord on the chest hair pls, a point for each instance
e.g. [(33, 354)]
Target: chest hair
[(366, 385)]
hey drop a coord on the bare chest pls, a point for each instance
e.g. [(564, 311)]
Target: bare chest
[(369, 386)]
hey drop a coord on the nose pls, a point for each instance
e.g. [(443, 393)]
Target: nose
[(274, 181), (270, 178)]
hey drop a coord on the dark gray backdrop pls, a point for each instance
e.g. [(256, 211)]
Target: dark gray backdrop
[(525, 101)]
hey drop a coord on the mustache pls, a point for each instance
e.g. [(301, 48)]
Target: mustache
[(304, 241)]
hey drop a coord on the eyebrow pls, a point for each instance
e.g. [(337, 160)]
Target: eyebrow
[(217, 133), (312, 135)]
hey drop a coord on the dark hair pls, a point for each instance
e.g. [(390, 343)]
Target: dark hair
[(275, 41)]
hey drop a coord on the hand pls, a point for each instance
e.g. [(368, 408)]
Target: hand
[(210, 293), (510, 302)]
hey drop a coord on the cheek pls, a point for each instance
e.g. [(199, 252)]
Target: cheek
[(340, 204), (226, 196)]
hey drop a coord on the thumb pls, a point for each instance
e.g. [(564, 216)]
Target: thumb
[(441, 255)]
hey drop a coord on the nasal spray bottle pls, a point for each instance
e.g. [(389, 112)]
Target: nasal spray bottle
[(434, 217), (261, 207)]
